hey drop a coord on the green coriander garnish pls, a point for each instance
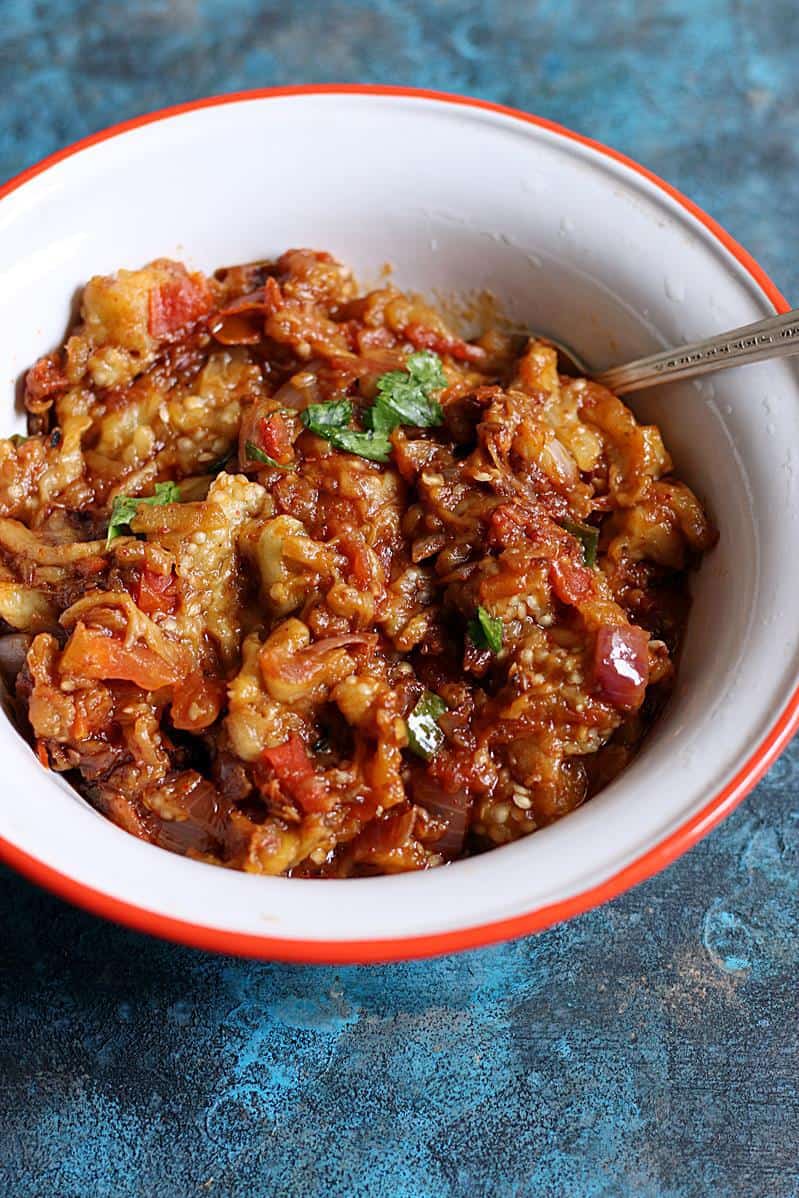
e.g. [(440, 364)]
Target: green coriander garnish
[(372, 445), (405, 396), (220, 463), (425, 737), (125, 507), (319, 417), (587, 535), (485, 631), (257, 455), (330, 421)]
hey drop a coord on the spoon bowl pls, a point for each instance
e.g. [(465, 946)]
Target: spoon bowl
[(773, 337), (574, 240)]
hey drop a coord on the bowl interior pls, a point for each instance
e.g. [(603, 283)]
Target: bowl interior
[(460, 201)]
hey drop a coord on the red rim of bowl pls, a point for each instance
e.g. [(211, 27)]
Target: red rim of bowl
[(409, 947)]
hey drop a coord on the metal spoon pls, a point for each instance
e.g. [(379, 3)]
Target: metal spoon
[(774, 337)]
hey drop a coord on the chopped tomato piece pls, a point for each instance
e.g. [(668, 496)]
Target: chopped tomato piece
[(43, 382), (507, 526), (510, 524), (274, 436), (197, 702), (93, 654), (422, 337), (156, 592), (295, 773), (175, 304), (361, 562), (571, 582), (273, 296)]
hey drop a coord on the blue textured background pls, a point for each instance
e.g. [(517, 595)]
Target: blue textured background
[(648, 1049)]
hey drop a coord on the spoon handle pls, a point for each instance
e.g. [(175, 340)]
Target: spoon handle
[(774, 337)]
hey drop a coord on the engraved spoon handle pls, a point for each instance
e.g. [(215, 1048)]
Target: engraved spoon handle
[(774, 337)]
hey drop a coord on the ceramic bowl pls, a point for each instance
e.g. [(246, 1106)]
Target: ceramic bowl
[(460, 196)]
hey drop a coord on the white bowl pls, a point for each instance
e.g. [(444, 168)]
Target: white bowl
[(459, 195)]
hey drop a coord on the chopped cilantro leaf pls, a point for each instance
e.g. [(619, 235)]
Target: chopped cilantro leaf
[(257, 455), (405, 396), (320, 417), (164, 493), (485, 631), (372, 445), (425, 737), (220, 463), (124, 507), (122, 512), (330, 420), (587, 535)]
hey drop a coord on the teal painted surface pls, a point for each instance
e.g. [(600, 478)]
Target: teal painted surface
[(648, 1049)]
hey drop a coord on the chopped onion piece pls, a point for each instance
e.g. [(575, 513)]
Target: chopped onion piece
[(558, 462), (450, 808), (621, 665)]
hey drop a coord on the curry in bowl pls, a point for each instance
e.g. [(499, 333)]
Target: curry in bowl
[(297, 581)]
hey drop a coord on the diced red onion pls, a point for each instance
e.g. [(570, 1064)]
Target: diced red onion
[(297, 398), (254, 301), (303, 664), (384, 835), (329, 643), (205, 825), (556, 455), (621, 665), (450, 808)]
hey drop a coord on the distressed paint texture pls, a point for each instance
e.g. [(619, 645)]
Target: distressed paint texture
[(648, 1049)]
